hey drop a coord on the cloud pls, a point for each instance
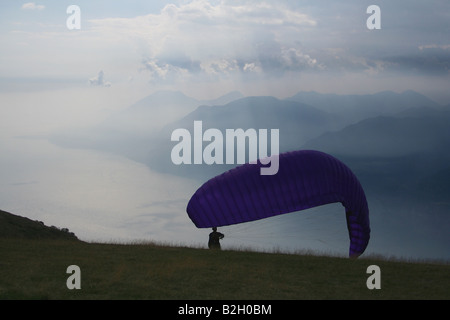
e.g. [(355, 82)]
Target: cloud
[(429, 60), (252, 67), (162, 71), (434, 46), (246, 13), (342, 60), (32, 6), (99, 80), (294, 58), (216, 39), (229, 43)]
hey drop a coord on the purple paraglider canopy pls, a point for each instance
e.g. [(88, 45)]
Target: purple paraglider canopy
[(305, 179)]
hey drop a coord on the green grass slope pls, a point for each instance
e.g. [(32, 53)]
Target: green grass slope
[(34, 259), (37, 269)]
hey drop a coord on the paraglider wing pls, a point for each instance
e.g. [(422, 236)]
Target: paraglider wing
[(305, 179)]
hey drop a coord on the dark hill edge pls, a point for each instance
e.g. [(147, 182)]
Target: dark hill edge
[(14, 226)]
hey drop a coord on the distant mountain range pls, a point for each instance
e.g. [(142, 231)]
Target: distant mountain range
[(390, 139), (151, 113), (354, 108), (411, 132)]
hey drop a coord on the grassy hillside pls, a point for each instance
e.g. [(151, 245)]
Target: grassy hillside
[(36, 269), (34, 262)]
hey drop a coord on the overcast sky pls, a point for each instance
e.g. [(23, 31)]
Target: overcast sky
[(210, 47)]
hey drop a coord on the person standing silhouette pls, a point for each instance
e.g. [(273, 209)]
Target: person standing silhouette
[(214, 239)]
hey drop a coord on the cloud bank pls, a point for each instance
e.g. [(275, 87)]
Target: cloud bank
[(32, 6), (99, 80), (226, 45), (225, 39), (200, 38)]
